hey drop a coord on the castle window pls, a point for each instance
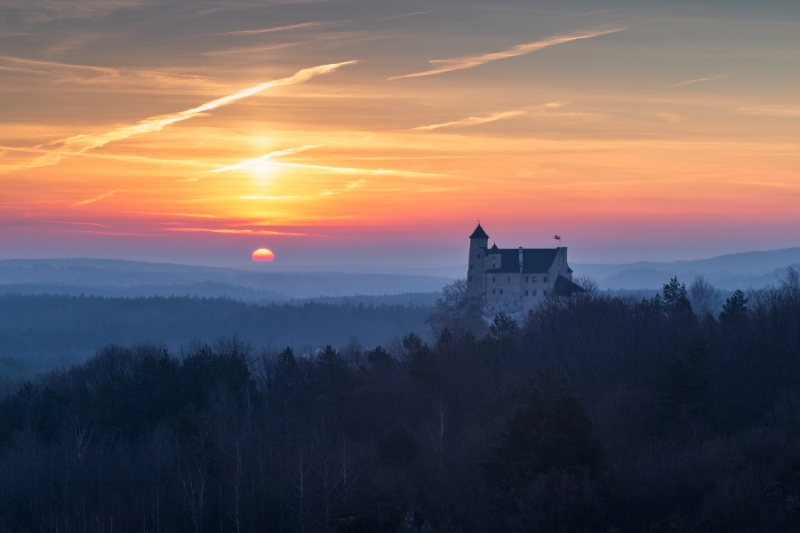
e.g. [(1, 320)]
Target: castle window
[(501, 291), (509, 280), (478, 256), (530, 312), (533, 292), (526, 293), (545, 279), (534, 279), (469, 278), (544, 292), (526, 279), (470, 267), (494, 280), (494, 291)]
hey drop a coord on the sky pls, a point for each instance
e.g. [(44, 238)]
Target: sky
[(375, 134)]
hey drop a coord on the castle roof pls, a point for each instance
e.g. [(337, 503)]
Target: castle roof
[(479, 233), (534, 260), (565, 287)]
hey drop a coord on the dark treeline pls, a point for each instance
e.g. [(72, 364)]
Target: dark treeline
[(598, 414), (50, 330)]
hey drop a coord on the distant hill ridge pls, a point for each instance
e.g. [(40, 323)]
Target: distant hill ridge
[(111, 277), (134, 278), (730, 271)]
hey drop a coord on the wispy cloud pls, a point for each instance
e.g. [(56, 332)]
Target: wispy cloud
[(189, 215), (240, 232), (96, 198), (267, 198), (82, 143), (302, 25), (696, 80), (88, 74), (342, 190), (253, 49), (546, 111), (115, 157), (265, 157), (471, 121), (365, 171), (403, 15), (48, 66), (76, 223), (460, 63), (773, 111)]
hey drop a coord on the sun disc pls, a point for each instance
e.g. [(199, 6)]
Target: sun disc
[(263, 254)]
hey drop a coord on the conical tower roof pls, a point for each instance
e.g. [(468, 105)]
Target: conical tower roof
[(479, 233)]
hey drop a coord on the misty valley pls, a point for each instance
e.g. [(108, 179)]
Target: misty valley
[(672, 411)]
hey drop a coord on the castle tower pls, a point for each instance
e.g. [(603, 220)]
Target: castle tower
[(476, 273)]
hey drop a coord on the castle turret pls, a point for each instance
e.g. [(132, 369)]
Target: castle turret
[(476, 275)]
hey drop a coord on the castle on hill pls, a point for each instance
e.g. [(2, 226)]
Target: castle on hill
[(515, 280)]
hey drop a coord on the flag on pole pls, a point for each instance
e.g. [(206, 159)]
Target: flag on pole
[(558, 237)]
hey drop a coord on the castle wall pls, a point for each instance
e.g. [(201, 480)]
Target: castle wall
[(526, 290)]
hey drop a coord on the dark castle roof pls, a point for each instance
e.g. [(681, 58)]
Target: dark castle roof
[(479, 233), (534, 261), (564, 287)]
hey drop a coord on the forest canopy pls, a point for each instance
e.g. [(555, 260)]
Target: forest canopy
[(596, 414)]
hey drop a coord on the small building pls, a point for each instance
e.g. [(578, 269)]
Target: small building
[(515, 280)]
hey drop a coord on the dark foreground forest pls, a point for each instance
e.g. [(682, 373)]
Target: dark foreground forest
[(598, 414)]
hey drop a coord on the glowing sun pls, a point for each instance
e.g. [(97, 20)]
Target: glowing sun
[(263, 254)]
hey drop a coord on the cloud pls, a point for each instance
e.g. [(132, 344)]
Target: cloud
[(460, 63), (76, 223), (317, 24), (696, 80), (545, 111), (265, 157), (82, 143), (46, 67), (403, 15), (240, 232), (191, 215), (96, 198), (470, 121), (87, 74), (773, 111), (366, 171), (342, 190)]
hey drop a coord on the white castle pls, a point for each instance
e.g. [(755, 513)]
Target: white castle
[(515, 280)]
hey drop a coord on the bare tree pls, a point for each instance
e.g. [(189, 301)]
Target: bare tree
[(456, 312), (194, 488), (436, 432), (704, 297)]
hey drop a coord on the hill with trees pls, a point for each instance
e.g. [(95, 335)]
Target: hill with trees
[(597, 414)]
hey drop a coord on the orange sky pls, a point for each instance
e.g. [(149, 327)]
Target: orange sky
[(341, 133)]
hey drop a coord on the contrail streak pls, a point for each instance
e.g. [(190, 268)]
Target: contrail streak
[(284, 28), (82, 143), (471, 121), (253, 161), (23, 61), (459, 63), (697, 80), (96, 198)]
